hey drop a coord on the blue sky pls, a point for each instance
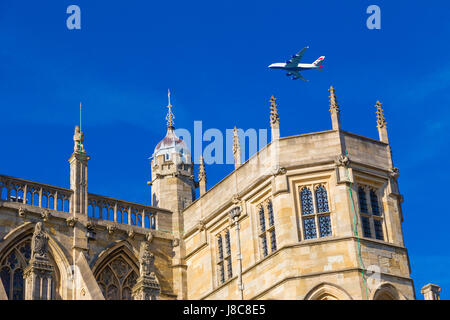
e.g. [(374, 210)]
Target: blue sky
[(214, 57)]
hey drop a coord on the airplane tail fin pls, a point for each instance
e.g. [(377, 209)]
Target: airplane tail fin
[(319, 61)]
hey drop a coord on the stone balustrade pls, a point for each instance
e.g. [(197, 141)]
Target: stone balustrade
[(99, 207), (35, 194), (120, 211)]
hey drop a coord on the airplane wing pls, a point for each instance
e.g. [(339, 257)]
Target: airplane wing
[(295, 60), (297, 75)]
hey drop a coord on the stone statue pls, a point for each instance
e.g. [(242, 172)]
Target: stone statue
[(147, 260), (39, 243), (78, 138), (147, 285)]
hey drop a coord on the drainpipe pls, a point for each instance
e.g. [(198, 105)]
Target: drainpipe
[(234, 214)]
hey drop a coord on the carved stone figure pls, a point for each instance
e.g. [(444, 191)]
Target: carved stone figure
[(78, 138), (39, 274), (147, 259), (201, 225), (39, 243), (147, 285), (22, 212), (45, 215), (277, 170), (111, 229), (342, 160), (395, 173), (149, 237), (71, 221)]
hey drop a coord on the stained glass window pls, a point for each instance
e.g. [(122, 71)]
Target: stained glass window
[(321, 199), (325, 226), (306, 201), (378, 229), (117, 279), (5, 275), (374, 203), (309, 227), (18, 285), (11, 270), (362, 200), (366, 227)]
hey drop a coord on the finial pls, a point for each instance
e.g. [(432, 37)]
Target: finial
[(170, 116), (201, 170), (381, 121), (274, 118), (236, 143), (333, 100), (236, 148)]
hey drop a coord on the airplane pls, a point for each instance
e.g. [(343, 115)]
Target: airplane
[(293, 66)]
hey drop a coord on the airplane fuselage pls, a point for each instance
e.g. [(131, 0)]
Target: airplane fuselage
[(299, 67)]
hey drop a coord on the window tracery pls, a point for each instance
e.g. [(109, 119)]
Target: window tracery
[(11, 269), (370, 213), (117, 278), (315, 211), (267, 233)]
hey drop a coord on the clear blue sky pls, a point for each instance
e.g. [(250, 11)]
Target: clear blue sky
[(214, 56)]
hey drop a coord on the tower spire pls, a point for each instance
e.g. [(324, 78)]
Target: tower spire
[(274, 119), (170, 116), (381, 123), (334, 110)]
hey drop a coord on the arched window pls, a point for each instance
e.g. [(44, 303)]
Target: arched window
[(221, 267), (318, 221), (117, 278), (12, 265), (267, 227), (321, 199), (224, 256), (371, 220), (11, 269), (306, 201), (262, 231), (273, 240), (362, 200), (374, 203)]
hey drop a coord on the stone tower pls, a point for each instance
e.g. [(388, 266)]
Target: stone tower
[(173, 184)]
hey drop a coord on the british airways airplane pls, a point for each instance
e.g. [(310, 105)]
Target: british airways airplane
[(293, 66)]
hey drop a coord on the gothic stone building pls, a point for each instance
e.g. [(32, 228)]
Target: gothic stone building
[(311, 216)]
